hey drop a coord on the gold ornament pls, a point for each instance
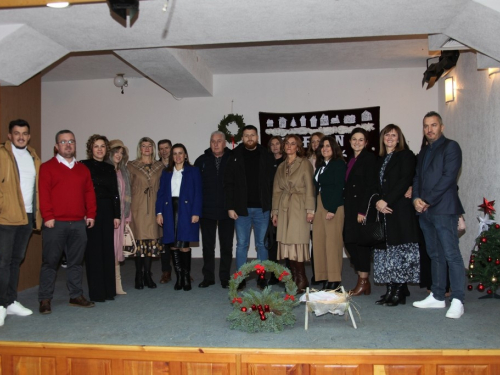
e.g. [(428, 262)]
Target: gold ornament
[(493, 279), (471, 266)]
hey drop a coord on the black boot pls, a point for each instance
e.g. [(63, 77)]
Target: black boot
[(262, 283), (331, 285), (398, 296), (148, 280), (405, 289), (176, 260), (387, 296), (186, 269), (139, 283)]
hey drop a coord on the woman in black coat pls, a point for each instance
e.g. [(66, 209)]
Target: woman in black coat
[(360, 181), (399, 262)]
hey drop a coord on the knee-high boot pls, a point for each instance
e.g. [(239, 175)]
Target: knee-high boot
[(148, 280), (139, 282), (176, 260), (119, 289), (186, 269), (300, 277)]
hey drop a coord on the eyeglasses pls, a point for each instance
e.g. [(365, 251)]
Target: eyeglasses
[(70, 142)]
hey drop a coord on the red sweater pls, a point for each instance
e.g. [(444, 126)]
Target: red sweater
[(66, 194)]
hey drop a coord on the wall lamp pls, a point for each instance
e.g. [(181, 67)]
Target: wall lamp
[(449, 92), (121, 81), (492, 71)]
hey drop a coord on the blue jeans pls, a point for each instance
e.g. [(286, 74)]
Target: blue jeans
[(243, 226), (13, 241), (441, 240)]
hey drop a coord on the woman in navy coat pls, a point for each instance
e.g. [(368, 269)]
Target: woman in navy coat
[(178, 210)]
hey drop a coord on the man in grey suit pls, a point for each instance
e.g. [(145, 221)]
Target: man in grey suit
[(435, 198)]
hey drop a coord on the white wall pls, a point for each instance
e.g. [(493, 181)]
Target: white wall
[(472, 120), (88, 107)]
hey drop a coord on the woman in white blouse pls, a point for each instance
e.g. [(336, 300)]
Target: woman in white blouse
[(178, 210)]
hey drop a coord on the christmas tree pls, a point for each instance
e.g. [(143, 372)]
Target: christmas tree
[(484, 263)]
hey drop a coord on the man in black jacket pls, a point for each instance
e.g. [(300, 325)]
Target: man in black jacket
[(248, 182), (212, 165)]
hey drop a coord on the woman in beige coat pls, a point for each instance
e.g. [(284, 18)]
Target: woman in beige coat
[(145, 173), (293, 208)]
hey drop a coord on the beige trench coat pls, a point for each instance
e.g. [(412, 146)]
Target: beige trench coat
[(144, 188), (292, 197)]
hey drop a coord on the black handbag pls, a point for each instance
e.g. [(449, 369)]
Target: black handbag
[(270, 236), (371, 233)]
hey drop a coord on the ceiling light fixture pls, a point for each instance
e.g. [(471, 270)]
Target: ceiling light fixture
[(122, 8), (121, 81), (58, 5)]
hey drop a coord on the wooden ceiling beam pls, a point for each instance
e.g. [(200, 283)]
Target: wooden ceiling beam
[(39, 3)]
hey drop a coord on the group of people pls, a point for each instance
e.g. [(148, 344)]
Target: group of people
[(315, 194)]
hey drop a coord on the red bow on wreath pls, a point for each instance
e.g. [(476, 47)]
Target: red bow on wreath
[(239, 300), (288, 296), (239, 273), (283, 274), (260, 268)]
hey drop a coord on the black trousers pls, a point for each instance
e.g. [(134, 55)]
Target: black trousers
[(69, 237), (100, 253), (14, 241), (226, 234), (360, 256)]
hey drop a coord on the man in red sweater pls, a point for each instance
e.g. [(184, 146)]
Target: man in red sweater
[(68, 206)]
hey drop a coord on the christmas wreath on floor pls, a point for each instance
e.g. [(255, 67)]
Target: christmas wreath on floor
[(229, 119), (265, 311)]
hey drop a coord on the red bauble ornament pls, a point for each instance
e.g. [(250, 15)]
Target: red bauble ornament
[(263, 317), (484, 240), (489, 259), (260, 308), (266, 308), (497, 226), (469, 287), (489, 291), (473, 261), (262, 276), (254, 307), (244, 309), (497, 262), (480, 287)]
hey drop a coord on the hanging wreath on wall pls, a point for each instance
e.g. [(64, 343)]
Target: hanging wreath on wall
[(236, 123), (268, 311)]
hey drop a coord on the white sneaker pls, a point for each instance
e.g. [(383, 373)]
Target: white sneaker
[(429, 303), (456, 309), (15, 308), (3, 314)]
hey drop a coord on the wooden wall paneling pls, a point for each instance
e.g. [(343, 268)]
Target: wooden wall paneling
[(191, 368), (398, 370), (75, 359), (145, 368), (277, 369), (25, 101), (463, 370), (24, 365), (87, 366)]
